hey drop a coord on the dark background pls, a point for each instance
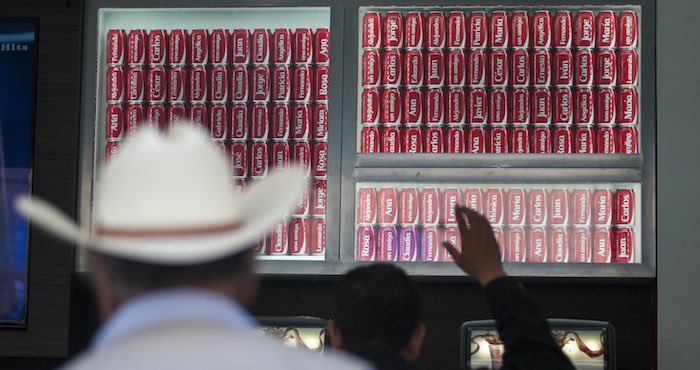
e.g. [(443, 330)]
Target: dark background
[(58, 297)]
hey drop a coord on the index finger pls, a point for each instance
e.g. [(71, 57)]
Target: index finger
[(476, 220)]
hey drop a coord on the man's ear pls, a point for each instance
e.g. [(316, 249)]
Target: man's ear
[(411, 352), (334, 334)]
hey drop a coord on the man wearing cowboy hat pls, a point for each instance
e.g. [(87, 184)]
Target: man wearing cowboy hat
[(172, 259)]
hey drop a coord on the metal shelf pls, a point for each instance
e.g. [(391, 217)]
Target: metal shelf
[(426, 160)]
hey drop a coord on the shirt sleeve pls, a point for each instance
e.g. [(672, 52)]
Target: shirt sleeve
[(523, 328)]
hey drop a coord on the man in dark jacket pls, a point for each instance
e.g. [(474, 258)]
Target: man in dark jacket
[(378, 308)]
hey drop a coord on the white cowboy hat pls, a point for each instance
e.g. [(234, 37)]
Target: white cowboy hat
[(170, 199)]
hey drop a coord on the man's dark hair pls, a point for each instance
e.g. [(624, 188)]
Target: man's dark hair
[(377, 306)]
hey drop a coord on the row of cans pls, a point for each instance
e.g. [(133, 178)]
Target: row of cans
[(431, 206), (255, 159), (179, 47), (313, 202), (500, 29), (224, 121), (241, 83), (499, 106), (517, 244), (499, 68), (296, 236), (500, 139)]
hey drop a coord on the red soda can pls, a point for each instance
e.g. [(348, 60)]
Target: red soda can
[(134, 117), (624, 207), (198, 84), (218, 121), (365, 244), (520, 30), (582, 204), (430, 206), (603, 207), (541, 30), (474, 199), (114, 124), (435, 30), (240, 83), (477, 31), (562, 106), (240, 46), (605, 106), (282, 46), (280, 126), (320, 122), (541, 68), (477, 139), (409, 206), (498, 106), (581, 245), (562, 33), (135, 84), (301, 206), (157, 47), (583, 106), (370, 102), (519, 106), (391, 106), (435, 67), (319, 160), (260, 46), (155, 116), (455, 139), (177, 86), (537, 207), (602, 245), (500, 236), (258, 159), (413, 68), (477, 67), (606, 68), (499, 30), (199, 115), (260, 121), (584, 140), (520, 67), (558, 245), (520, 139), (498, 65), (111, 150), (516, 245), (199, 46), (391, 139), (260, 83), (371, 30), (136, 47), (606, 35), (456, 30), (412, 139), (494, 209), (281, 83), (584, 30), (391, 67), (456, 106), (178, 43), (450, 234), (451, 197), (627, 37), (562, 140), (387, 202), (116, 47), (239, 121), (456, 68), (541, 106), (408, 244), (430, 244), (115, 84), (393, 30), (538, 245), (177, 113), (433, 140), (434, 106), (563, 68), (277, 242), (413, 30), (559, 207), (322, 46), (387, 244), (318, 236), (371, 67), (218, 46), (623, 247), (498, 140), (584, 63), (299, 236), (218, 84), (541, 139), (628, 140), (606, 139), (369, 139), (516, 207), (478, 106), (627, 68), (301, 156), (301, 83)]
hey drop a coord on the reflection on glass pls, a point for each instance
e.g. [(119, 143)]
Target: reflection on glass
[(312, 339)]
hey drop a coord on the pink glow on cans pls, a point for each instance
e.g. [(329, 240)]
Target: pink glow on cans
[(516, 244), (430, 244), (602, 207), (239, 121), (322, 46), (558, 245), (114, 123), (319, 160), (365, 244), (199, 46), (584, 140), (538, 204), (282, 46), (516, 206), (498, 29), (320, 122), (456, 68), (541, 139), (392, 67), (477, 139), (498, 106), (298, 236), (606, 139), (456, 106), (318, 236), (541, 30), (624, 207), (450, 234), (414, 24), (371, 30), (520, 30), (584, 29), (623, 246), (477, 67), (519, 106), (240, 46), (157, 47), (412, 139), (538, 240), (239, 159), (562, 106), (301, 121), (116, 47), (258, 159), (302, 83), (494, 206), (370, 139), (498, 140), (581, 245), (409, 206), (218, 121), (628, 140), (477, 30), (520, 139), (541, 68), (391, 106), (281, 83), (562, 140), (627, 68), (434, 139), (455, 139), (606, 34), (456, 30), (260, 46), (387, 244), (520, 68), (135, 84), (391, 139), (451, 197), (563, 33), (430, 206), (218, 46), (558, 207), (478, 106), (198, 84), (474, 199), (393, 30), (177, 47), (435, 30), (136, 47), (498, 66), (602, 244), (408, 244), (155, 116), (627, 37), (387, 202), (582, 207), (583, 106)]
